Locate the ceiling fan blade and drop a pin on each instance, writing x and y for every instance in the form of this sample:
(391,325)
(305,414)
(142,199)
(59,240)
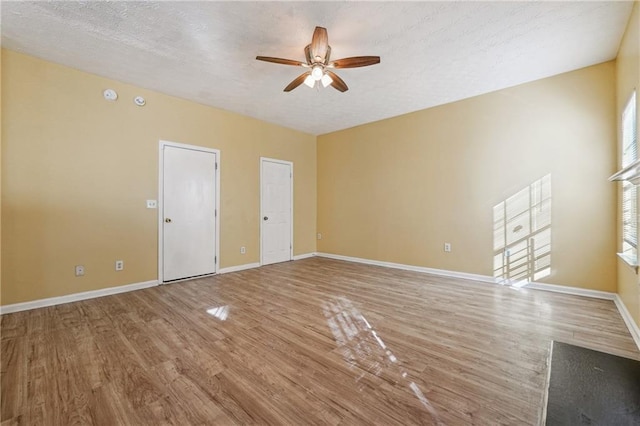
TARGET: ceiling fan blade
(337,82)
(355,62)
(307,54)
(280,60)
(319,44)
(297,82)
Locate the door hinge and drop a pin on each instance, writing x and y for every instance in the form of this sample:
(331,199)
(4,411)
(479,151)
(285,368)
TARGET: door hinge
(216,166)
(215,259)
(216,213)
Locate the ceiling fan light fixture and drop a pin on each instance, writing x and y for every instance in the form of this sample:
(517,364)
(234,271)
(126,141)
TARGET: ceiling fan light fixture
(318,66)
(326,80)
(310,81)
(317,72)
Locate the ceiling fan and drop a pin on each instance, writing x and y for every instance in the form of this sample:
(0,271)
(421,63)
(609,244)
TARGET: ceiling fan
(319,65)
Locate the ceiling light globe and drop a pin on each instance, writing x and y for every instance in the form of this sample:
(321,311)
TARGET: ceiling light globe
(316,72)
(309,81)
(326,80)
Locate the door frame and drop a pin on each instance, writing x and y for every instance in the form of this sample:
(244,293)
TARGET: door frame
(290,164)
(161,145)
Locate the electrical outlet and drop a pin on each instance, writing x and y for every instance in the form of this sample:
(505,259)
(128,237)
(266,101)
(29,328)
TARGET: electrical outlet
(119,265)
(319,236)
(447,247)
(243,250)
(79,270)
(152,204)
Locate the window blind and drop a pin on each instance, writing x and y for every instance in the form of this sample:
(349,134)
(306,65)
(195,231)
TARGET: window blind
(629,191)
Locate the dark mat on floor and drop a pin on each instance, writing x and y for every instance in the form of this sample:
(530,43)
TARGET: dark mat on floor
(588,387)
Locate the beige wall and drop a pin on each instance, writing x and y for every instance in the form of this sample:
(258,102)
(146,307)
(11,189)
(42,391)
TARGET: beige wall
(76,171)
(396,190)
(628,79)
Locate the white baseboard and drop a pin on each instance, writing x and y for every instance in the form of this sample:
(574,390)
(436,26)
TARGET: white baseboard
(51,301)
(576,291)
(597,294)
(239,268)
(476,277)
(257,264)
(303,256)
(628,319)
(443,272)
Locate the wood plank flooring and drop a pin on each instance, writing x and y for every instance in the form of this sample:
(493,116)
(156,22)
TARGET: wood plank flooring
(315,341)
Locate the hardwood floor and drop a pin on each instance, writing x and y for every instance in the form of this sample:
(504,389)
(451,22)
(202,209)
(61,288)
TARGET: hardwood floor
(315,341)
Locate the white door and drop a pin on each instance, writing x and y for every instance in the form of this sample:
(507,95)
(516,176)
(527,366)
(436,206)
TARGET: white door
(189,215)
(276,180)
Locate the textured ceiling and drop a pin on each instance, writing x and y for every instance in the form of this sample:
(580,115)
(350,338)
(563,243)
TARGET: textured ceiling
(431,52)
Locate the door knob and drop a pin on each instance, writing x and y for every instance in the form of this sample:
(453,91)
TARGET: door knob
(266,218)
(167,220)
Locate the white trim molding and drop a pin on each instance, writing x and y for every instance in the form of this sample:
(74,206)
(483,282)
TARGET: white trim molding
(237,268)
(576,291)
(425,270)
(303,256)
(628,320)
(75,297)
(246,266)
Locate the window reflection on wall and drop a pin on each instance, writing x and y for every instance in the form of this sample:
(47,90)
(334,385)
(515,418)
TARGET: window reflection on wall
(522,234)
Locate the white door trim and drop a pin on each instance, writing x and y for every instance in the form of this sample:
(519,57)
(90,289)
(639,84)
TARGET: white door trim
(290,164)
(161,145)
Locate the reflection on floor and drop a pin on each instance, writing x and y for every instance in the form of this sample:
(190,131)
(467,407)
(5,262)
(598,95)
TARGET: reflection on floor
(362,348)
